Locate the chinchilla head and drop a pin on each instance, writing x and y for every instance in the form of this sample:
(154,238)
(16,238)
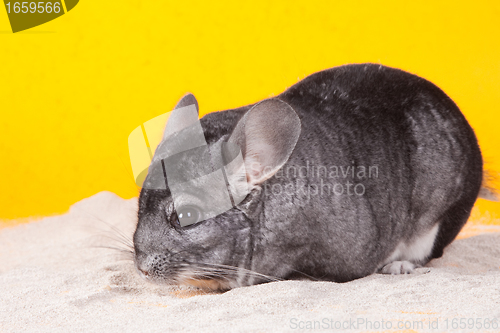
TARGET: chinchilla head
(184,234)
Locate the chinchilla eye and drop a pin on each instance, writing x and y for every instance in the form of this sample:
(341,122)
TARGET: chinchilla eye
(187,215)
(174,220)
(172,215)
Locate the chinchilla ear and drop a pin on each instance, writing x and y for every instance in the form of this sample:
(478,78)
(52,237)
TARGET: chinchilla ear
(183,116)
(186,100)
(267,135)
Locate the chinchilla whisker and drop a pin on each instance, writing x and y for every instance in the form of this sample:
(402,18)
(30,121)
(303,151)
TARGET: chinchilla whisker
(210,273)
(118,257)
(195,272)
(236,269)
(218,272)
(123,257)
(121,236)
(306,275)
(200,276)
(128,247)
(182,276)
(197,276)
(120,254)
(111,235)
(127,251)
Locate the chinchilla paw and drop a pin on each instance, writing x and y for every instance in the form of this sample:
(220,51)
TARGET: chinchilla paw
(398,267)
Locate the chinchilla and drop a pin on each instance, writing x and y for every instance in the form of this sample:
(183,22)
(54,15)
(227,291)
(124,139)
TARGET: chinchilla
(354,170)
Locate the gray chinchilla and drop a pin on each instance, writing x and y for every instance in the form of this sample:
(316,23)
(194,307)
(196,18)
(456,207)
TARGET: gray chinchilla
(354,170)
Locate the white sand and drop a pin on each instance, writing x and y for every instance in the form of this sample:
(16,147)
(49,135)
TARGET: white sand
(51,280)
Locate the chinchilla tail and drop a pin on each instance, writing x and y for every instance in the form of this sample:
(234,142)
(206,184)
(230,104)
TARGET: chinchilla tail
(487,191)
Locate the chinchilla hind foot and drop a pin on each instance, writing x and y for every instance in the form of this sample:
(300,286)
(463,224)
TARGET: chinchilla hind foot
(399,267)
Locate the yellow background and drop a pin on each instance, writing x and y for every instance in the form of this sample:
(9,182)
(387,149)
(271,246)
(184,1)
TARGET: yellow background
(72,89)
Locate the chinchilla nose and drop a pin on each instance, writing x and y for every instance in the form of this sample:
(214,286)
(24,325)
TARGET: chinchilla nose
(141,263)
(149,264)
(143,272)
